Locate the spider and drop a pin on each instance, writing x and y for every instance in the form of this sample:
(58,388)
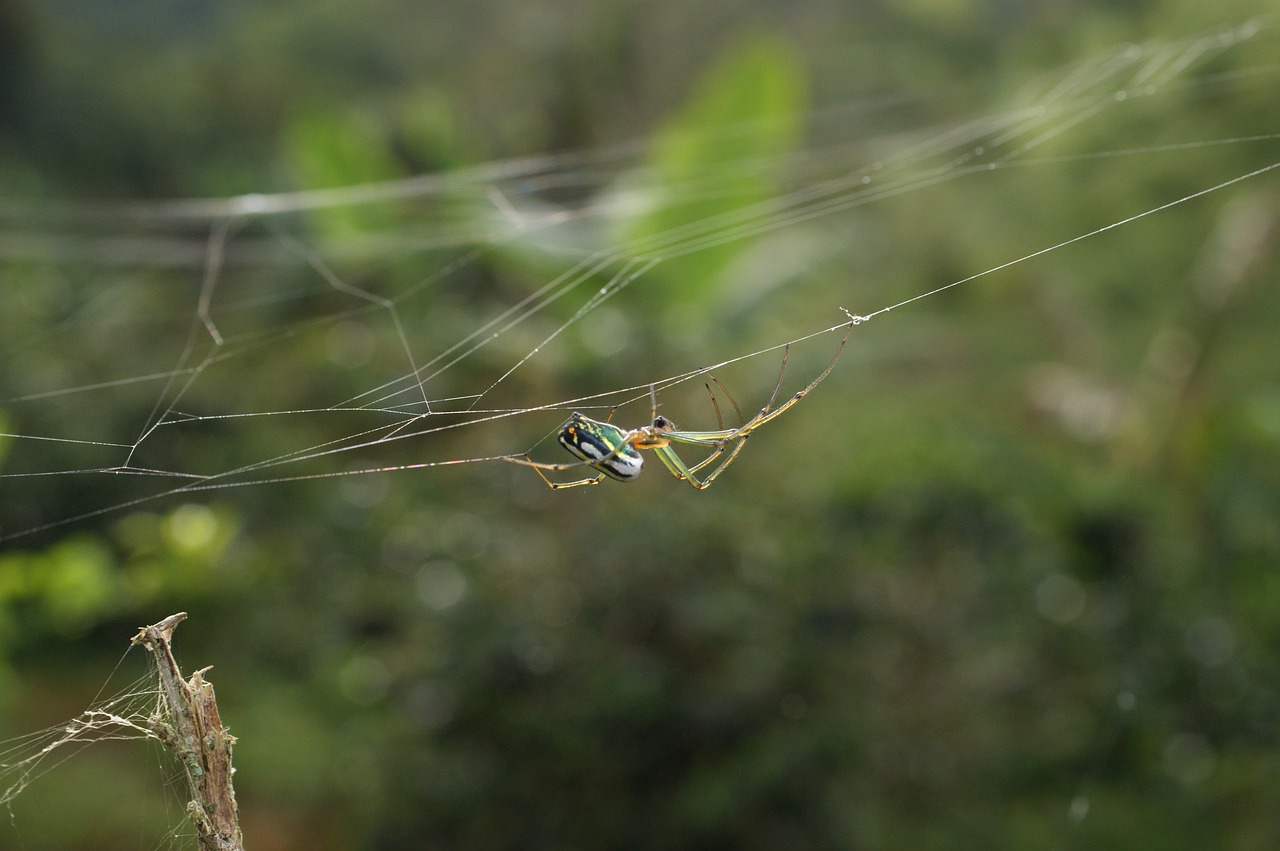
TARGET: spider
(615,452)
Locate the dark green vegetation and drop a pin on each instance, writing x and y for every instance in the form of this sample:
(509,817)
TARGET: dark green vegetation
(1008,578)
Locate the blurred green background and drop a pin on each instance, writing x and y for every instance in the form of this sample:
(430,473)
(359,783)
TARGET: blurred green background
(1006,579)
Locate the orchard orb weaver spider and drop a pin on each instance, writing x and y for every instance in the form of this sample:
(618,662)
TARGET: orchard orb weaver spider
(615,452)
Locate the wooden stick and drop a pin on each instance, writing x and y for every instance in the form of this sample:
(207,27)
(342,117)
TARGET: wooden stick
(189,724)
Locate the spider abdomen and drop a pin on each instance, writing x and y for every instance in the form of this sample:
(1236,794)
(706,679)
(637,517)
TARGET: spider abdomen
(602,445)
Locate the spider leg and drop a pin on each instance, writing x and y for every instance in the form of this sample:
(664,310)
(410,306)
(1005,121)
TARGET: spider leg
(721,439)
(786,350)
(732,401)
(722,444)
(714,404)
(676,466)
(766,414)
(724,436)
(538,467)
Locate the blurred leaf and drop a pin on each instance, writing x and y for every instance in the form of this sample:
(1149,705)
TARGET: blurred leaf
(326,149)
(72,583)
(714,167)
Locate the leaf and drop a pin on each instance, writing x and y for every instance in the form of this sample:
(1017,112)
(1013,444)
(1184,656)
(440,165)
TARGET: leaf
(714,166)
(328,150)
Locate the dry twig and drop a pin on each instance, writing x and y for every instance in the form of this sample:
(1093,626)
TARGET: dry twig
(193,730)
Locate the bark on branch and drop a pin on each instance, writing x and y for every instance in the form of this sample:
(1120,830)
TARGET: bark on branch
(190,726)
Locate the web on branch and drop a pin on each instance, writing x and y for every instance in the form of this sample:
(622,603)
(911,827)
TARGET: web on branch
(122,717)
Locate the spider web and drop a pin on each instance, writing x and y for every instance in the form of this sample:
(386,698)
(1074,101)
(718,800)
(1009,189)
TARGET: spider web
(124,716)
(207,318)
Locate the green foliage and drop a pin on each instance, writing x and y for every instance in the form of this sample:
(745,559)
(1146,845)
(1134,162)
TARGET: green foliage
(82,580)
(713,162)
(337,149)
